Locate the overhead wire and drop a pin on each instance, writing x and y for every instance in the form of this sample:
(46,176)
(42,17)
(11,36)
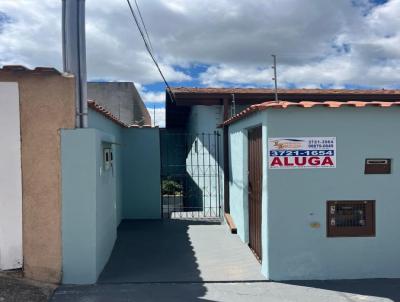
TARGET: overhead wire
(144,25)
(149,49)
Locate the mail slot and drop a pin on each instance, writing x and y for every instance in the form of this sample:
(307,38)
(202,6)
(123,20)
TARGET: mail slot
(378,166)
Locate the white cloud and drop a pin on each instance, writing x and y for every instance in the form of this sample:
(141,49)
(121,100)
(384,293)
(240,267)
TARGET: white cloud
(318,42)
(150,97)
(159,119)
(114,48)
(153,97)
(365,53)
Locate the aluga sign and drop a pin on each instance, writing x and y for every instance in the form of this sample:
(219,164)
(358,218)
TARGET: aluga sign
(302,152)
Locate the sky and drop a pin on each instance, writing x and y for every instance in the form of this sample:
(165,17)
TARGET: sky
(217,43)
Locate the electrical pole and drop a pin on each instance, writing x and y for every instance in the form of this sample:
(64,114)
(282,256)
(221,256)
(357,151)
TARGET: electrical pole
(233,111)
(74,54)
(275,79)
(154,115)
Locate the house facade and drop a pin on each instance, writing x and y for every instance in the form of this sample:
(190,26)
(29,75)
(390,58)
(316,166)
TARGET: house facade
(323,202)
(311,222)
(203,110)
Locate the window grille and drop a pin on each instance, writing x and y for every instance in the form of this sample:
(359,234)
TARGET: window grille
(351,218)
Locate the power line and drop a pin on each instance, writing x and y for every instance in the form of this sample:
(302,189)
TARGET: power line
(144,25)
(275,78)
(148,48)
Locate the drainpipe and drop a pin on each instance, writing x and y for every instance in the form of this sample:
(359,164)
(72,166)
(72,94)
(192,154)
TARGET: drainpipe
(74,54)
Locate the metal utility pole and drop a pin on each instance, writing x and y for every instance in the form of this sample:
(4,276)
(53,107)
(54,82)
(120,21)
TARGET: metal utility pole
(275,78)
(74,54)
(233,111)
(154,115)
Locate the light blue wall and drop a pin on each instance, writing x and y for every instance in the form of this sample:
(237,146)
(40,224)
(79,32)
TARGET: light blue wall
(95,200)
(298,197)
(88,205)
(106,201)
(238,183)
(141,174)
(205,120)
(295,199)
(98,121)
(137,163)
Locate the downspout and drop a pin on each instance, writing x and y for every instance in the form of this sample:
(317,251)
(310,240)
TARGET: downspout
(74,54)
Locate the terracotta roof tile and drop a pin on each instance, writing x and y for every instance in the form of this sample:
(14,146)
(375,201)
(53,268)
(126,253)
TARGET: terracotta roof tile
(108,114)
(305,104)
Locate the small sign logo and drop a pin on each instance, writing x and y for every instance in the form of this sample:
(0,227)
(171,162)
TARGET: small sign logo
(302,152)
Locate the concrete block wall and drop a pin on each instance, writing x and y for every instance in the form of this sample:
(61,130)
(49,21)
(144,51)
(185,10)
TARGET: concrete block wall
(122,99)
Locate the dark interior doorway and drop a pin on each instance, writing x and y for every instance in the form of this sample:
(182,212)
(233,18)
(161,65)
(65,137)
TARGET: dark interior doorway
(255,189)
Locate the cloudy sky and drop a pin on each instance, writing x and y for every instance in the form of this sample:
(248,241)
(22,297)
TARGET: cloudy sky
(319,43)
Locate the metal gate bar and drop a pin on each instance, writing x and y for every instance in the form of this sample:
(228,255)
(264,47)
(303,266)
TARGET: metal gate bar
(190,175)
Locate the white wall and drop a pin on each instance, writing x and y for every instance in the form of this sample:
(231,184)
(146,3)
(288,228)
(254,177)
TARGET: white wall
(10,179)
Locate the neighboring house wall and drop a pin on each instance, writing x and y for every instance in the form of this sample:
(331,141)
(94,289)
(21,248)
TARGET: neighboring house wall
(122,99)
(47,104)
(10,179)
(205,120)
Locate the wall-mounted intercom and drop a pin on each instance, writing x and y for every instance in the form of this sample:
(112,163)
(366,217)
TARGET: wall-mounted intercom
(107,158)
(378,166)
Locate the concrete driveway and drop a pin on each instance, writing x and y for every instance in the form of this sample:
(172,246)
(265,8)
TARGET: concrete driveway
(178,251)
(332,291)
(172,260)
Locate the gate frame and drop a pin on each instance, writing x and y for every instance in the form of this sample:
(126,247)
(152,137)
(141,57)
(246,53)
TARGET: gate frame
(215,209)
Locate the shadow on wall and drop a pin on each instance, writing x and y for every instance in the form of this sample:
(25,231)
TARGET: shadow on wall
(150,251)
(385,288)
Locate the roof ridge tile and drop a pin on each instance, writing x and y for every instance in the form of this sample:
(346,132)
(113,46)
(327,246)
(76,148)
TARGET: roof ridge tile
(306,104)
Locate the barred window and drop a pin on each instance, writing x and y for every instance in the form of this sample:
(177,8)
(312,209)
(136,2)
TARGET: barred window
(351,218)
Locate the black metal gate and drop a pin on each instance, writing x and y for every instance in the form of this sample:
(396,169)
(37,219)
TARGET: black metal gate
(190,175)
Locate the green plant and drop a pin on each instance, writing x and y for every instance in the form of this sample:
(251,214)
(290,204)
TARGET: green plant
(171,187)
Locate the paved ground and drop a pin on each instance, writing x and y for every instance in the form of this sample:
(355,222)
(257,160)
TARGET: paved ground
(178,251)
(334,291)
(191,261)
(14,288)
